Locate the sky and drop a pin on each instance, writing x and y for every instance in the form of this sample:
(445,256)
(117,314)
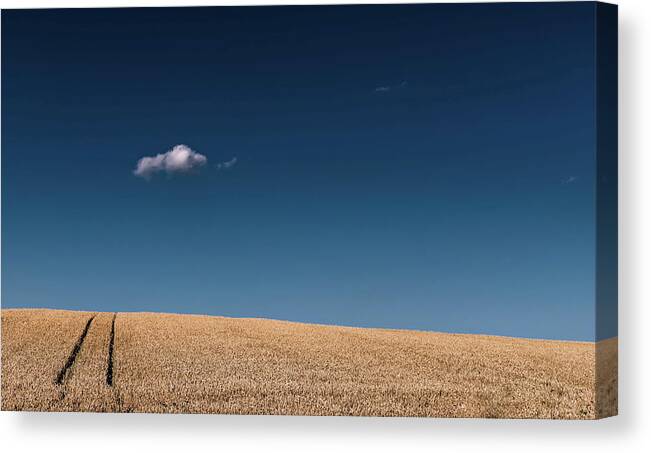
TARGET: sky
(419,167)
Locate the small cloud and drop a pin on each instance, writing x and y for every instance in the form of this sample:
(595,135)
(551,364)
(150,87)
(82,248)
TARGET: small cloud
(228,164)
(387,88)
(570,179)
(177,160)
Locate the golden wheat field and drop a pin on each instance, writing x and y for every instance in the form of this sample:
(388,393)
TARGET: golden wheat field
(55,360)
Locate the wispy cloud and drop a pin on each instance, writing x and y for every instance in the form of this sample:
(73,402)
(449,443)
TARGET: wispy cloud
(228,164)
(387,88)
(570,179)
(177,160)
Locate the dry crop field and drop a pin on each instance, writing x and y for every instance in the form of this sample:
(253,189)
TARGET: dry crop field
(55,360)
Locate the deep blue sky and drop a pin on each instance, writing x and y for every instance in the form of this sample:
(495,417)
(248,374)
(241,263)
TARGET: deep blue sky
(427,167)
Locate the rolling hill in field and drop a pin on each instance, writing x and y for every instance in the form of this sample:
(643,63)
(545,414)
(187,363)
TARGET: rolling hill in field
(55,360)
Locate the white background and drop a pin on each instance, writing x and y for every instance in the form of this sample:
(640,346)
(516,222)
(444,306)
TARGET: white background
(630,430)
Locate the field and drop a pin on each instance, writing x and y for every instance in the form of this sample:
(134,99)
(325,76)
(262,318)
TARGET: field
(54,360)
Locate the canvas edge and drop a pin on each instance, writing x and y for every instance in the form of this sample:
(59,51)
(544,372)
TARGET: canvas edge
(606,278)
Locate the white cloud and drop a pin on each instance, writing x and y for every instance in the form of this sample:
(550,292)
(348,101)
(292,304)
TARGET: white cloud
(387,88)
(227,164)
(179,159)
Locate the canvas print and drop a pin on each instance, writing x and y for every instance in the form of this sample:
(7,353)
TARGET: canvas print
(369,210)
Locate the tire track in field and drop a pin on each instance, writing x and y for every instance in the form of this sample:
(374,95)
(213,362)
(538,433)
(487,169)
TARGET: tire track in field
(73,354)
(89,385)
(110,371)
(109,367)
